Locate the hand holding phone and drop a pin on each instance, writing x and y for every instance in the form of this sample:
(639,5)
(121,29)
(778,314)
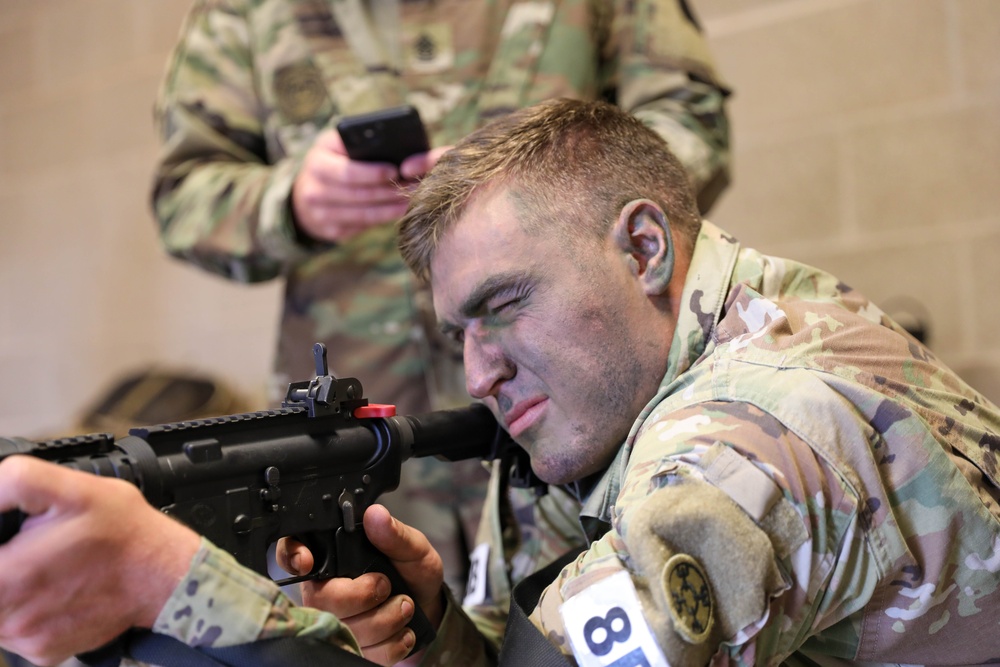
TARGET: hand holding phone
(350,178)
(388,135)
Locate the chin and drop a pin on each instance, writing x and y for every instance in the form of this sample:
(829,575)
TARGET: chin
(547,476)
(558,471)
(562,460)
(546,471)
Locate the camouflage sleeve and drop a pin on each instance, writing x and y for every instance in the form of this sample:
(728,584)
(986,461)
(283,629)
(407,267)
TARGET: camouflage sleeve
(458,642)
(663,73)
(219,201)
(734,537)
(219,604)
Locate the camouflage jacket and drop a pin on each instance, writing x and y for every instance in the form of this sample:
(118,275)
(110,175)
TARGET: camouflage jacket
(251,84)
(809,486)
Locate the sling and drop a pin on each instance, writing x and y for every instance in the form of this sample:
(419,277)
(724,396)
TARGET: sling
(523,643)
(146,646)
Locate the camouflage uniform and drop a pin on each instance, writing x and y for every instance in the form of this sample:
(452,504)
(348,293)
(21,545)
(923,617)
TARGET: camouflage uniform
(251,84)
(810,486)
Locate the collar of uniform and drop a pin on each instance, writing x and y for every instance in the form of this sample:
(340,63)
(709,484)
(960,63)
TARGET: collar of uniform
(710,278)
(705,288)
(595,515)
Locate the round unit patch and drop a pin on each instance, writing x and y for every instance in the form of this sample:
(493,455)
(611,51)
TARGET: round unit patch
(300,91)
(690,598)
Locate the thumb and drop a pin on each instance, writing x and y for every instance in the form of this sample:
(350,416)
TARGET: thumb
(409,550)
(393,538)
(417,166)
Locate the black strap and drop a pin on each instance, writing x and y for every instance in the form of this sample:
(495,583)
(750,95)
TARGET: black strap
(166,651)
(523,644)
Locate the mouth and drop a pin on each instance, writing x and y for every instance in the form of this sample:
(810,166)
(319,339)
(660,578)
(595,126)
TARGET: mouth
(524,415)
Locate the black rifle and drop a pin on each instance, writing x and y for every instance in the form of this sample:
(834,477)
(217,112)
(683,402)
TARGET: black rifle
(308,470)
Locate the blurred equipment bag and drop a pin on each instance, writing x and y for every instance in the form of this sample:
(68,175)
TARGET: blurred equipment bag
(159,396)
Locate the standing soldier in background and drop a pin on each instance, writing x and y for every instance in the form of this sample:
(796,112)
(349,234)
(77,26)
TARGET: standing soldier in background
(253,182)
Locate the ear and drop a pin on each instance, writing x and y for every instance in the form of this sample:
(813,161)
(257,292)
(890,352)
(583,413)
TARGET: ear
(642,232)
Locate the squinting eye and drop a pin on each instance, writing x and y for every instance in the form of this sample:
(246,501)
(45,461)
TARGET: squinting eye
(505,305)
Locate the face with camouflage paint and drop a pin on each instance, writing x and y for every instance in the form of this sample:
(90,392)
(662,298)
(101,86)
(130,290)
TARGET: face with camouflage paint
(564,341)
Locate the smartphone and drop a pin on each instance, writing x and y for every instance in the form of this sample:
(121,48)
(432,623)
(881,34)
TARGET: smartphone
(388,135)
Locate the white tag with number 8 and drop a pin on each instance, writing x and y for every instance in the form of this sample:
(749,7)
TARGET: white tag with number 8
(606,628)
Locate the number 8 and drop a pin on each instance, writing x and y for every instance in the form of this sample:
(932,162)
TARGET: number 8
(597,623)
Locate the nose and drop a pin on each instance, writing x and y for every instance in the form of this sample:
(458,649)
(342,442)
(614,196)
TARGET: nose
(487,367)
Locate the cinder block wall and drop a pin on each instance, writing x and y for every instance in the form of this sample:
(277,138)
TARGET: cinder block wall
(867,141)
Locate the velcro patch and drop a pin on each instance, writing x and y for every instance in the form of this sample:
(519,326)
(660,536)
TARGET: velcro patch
(742,481)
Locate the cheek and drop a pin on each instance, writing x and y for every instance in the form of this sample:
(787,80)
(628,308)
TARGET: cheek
(571,349)
(607,365)
(577,358)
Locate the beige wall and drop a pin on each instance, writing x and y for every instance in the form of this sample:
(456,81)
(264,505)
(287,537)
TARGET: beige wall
(867,142)
(87,293)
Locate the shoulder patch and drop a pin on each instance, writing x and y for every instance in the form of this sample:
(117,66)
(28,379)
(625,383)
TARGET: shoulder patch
(690,597)
(299,91)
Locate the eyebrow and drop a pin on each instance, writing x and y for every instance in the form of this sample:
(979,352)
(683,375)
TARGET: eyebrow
(476,301)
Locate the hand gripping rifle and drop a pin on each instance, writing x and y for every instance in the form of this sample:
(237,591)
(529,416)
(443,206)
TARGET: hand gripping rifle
(308,470)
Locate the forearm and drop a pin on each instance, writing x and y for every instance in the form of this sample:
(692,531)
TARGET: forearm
(228,217)
(220,603)
(221,187)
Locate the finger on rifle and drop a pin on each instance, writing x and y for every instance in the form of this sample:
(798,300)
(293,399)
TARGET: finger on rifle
(401,543)
(346,598)
(392,650)
(384,622)
(293,557)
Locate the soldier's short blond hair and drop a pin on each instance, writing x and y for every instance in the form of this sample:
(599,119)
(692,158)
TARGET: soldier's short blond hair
(565,162)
